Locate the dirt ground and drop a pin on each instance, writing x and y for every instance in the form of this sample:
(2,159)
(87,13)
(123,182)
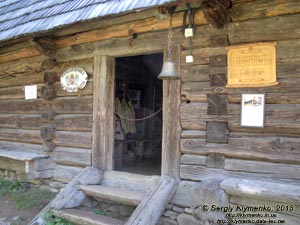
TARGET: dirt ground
(9,215)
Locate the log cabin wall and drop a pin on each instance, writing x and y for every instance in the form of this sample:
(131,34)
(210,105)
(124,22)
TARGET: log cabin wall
(269,153)
(60,127)
(233,151)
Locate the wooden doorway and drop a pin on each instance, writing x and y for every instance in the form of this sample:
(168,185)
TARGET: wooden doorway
(103,138)
(138,114)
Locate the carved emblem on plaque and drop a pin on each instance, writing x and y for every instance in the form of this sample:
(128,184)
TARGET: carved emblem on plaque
(252,65)
(73,79)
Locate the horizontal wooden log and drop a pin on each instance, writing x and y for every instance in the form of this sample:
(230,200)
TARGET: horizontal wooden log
(86,91)
(197,91)
(199,72)
(18,135)
(145,43)
(141,26)
(20,121)
(21,79)
(260,9)
(279,118)
(73,139)
(72,156)
(74,122)
(59,105)
(17,92)
(200,173)
(265,142)
(284,93)
(66,173)
(201,55)
(130,181)
(278,169)
(188,134)
(19,146)
(27,52)
(86,63)
(271,98)
(264,29)
(240,150)
(193,159)
(194,116)
(263,190)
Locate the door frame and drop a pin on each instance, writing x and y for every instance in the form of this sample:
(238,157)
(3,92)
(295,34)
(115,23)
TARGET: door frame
(103,115)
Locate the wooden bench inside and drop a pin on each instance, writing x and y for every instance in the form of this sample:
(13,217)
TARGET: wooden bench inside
(23,163)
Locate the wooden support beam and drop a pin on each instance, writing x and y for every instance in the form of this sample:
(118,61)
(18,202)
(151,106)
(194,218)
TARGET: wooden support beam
(46,46)
(171,124)
(216,12)
(88,176)
(152,207)
(103,112)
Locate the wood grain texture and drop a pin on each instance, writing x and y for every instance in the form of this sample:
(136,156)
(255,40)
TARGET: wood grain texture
(171,137)
(103,112)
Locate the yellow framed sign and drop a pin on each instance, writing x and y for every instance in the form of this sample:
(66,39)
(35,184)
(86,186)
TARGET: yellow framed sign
(252,65)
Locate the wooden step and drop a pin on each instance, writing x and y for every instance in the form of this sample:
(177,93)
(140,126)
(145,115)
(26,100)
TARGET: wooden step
(130,181)
(126,197)
(83,217)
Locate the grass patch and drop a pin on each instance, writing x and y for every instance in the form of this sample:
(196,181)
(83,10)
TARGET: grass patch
(54,220)
(24,196)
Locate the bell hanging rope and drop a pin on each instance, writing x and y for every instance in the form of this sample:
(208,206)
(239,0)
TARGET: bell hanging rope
(169,71)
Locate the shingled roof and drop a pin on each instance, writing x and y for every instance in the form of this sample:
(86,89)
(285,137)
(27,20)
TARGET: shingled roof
(23,17)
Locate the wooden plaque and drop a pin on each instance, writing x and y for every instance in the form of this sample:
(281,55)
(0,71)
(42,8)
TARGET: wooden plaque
(252,65)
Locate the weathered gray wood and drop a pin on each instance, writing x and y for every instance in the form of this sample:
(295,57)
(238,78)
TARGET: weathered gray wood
(103,112)
(85,217)
(18,135)
(66,173)
(171,108)
(199,72)
(218,79)
(152,207)
(187,134)
(88,175)
(198,173)
(47,132)
(68,105)
(129,181)
(72,156)
(185,193)
(193,159)
(291,171)
(217,104)
(217,132)
(73,139)
(215,160)
(264,29)
(22,156)
(248,148)
(48,92)
(261,9)
(25,121)
(24,147)
(74,122)
(218,61)
(202,55)
(126,197)
(281,192)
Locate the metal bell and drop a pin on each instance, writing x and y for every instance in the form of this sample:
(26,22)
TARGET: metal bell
(168,72)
